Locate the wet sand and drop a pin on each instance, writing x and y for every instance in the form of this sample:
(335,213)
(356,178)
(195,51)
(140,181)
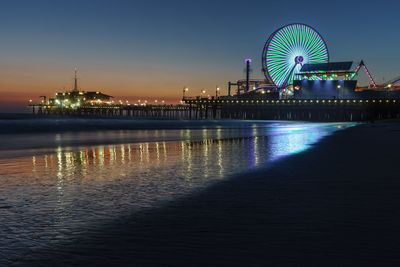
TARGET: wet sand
(334,205)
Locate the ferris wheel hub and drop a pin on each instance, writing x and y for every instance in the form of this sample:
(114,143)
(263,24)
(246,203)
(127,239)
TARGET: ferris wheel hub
(299,59)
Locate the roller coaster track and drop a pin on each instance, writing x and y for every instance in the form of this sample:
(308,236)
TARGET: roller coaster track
(362,65)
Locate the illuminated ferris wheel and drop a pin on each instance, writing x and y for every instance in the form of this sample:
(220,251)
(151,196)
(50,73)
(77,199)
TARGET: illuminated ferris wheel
(288,48)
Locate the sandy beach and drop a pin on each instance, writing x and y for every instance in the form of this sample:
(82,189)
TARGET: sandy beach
(334,205)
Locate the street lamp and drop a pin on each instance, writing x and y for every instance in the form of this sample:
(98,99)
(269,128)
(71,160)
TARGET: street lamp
(216,92)
(202,93)
(338,87)
(185,89)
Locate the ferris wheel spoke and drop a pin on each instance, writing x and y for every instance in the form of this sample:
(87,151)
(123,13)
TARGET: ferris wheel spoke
(281,44)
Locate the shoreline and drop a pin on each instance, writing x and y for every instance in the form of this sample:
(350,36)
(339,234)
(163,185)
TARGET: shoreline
(330,205)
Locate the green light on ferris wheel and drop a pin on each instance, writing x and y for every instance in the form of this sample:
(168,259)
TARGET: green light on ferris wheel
(285,46)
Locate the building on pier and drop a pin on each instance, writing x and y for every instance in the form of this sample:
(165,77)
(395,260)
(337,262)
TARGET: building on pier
(74,99)
(77,98)
(331,80)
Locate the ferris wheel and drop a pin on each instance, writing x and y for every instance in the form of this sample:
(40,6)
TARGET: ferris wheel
(288,48)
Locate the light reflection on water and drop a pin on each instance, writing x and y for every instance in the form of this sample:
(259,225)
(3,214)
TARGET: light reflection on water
(50,197)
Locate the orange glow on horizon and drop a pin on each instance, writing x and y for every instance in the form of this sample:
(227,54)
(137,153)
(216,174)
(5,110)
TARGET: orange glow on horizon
(19,83)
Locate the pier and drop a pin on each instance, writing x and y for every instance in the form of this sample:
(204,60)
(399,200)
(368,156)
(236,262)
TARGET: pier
(236,108)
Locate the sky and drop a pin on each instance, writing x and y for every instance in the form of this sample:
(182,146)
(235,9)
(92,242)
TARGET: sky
(151,49)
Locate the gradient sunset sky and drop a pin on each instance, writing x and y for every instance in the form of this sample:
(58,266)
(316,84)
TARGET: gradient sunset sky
(151,49)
